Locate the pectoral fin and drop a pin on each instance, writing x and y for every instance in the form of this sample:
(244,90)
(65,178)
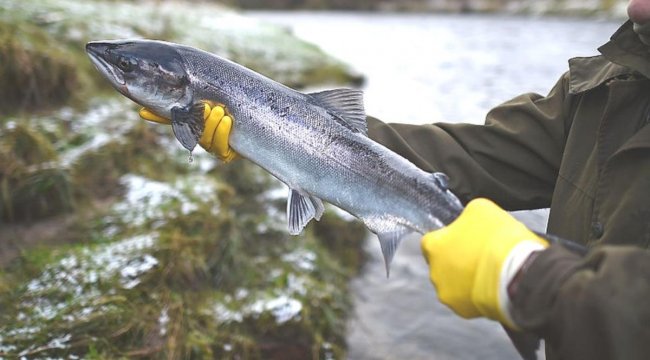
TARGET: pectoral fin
(187,124)
(301,209)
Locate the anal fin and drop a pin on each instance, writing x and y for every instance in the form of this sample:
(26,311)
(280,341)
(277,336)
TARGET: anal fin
(319,208)
(389,242)
(301,209)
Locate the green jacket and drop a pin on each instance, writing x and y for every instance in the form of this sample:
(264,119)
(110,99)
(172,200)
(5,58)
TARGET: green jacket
(584,151)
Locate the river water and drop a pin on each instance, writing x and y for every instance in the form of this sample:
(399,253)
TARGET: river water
(423,68)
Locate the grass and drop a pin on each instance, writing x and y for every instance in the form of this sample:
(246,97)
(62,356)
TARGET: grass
(226,284)
(31,186)
(35,73)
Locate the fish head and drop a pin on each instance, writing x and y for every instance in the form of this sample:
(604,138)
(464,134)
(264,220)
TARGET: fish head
(151,73)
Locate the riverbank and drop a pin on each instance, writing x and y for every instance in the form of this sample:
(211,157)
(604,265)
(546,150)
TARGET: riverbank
(113,244)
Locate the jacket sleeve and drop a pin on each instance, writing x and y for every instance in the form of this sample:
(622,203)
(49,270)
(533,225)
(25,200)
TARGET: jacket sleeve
(513,158)
(588,308)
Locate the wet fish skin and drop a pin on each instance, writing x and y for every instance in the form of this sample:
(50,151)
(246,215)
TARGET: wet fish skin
(315,143)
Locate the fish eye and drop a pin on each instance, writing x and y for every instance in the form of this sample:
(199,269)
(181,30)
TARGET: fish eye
(126,64)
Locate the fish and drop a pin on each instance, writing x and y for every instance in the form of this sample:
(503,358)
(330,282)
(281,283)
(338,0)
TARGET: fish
(315,143)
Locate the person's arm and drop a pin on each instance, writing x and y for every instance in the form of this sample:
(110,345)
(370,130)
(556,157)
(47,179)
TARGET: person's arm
(513,159)
(596,307)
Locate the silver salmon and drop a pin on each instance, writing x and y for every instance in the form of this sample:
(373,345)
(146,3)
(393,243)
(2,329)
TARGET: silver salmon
(315,143)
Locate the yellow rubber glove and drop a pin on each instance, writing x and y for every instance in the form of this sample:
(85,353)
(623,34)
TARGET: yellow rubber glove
(216,131)
(472,260)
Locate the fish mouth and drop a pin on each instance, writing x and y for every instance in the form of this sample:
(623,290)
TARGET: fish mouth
(98,52)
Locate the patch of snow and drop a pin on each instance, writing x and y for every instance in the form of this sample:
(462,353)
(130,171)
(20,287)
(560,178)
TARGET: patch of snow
(6,348)
(282,307)
(145,198)
(80,275)
(68,289)
(27,330)
(225,315)
(301,259)
(60,342)
(163,320)
(241,294)
(136,267)
(327,351)
(10,125)
(296,284)
(71,156)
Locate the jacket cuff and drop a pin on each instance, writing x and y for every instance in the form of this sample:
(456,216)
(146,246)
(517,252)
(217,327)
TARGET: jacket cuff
(537,288)
(513,266)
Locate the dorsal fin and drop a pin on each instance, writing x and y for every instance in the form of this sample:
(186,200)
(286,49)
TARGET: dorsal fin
(347,104)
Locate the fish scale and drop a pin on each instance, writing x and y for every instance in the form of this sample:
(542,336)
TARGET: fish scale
(314,143)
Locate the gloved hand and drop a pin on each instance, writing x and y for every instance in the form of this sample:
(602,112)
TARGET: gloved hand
(216,131)
(472,261)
